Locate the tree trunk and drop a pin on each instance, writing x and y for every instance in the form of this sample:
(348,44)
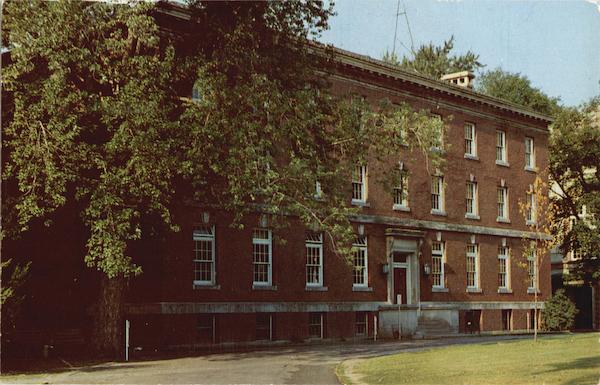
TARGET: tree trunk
(108,323)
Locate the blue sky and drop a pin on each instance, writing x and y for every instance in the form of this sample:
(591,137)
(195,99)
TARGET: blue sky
(556,44)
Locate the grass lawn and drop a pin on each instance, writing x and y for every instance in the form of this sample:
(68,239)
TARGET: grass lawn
(557,359)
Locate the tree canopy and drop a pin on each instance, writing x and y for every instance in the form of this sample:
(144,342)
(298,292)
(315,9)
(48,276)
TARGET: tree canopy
(435,60)
(575,167)
(517,89)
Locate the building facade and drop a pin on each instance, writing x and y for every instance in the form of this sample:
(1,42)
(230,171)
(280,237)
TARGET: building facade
(441,254)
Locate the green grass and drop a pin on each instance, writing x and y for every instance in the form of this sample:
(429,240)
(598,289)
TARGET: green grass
(559,359)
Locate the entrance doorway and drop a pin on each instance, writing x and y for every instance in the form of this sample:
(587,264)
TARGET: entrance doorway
(400,284)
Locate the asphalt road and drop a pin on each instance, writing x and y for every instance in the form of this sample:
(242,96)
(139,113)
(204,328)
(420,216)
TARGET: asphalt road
(313,364)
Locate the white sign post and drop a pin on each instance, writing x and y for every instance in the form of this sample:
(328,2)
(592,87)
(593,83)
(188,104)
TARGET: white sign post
(127,340)
(399,300)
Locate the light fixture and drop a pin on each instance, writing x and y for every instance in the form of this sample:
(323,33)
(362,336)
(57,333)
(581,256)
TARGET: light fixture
(427,269)
(361,230)
(205,217)
(264,222)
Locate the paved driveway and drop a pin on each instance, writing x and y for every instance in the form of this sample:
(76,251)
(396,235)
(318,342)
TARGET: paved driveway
(313,364)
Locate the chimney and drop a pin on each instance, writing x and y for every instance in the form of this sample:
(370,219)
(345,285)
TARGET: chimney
(463,78)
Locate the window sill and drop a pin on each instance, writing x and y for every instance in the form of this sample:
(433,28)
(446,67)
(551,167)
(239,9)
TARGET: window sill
(206,286)
(401,208)
(438,212)
(471,157)
(316,288)
(502,220)
(439,290)
(531,290)
(530,169)
(474,290)
(264,287)
(473,216)
(502,290)
(361,288)
(530,223)
(360,203)
(502,163)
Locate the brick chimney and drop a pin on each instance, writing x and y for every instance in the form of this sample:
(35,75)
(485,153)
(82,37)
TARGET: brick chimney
(463,78)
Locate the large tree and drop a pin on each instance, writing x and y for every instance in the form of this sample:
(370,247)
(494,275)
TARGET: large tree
(435,60)
(575,167)
(99,123)
(517,89)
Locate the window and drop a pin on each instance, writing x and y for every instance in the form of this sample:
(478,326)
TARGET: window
(437,264)
(529,154)
(359,184)
(316,323)
(532,270)
(361,323)
(501,147)
(470,142)
(502,203)
(503,268)
(318,190)
(314,259)
(472,267)
(471,199)
(204,255)
(196,93)
(507,319)
(401,191)
(205,327)
(360,270)
(261,256)
(531,209)
(264,326)
(437,194)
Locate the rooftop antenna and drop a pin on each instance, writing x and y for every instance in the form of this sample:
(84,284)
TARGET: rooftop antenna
(398,13)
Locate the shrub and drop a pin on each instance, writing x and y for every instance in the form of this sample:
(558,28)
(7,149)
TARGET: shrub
(559,312)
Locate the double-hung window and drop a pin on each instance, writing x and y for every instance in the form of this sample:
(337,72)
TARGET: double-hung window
(439,140)
(262,257)
(437,264)
(529,154)
(471,199)
(501,147)
(316,325)
(437,194)
(359,184)
(360,269)
(401,192)
(472,267)
(470,141)
(531,209)
(361,324)
(314,259)
(204,255)
(502,204)
(503,268)
(532,270)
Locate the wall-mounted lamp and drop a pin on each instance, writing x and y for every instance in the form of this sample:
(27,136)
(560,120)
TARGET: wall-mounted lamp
(264,222)
(361,230)
(385,268)
(205,217)
(503,242)
(427,269)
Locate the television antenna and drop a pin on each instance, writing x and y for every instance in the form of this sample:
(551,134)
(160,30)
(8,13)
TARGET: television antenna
(405,14)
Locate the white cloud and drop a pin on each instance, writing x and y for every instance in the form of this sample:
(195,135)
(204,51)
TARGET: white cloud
(596,2)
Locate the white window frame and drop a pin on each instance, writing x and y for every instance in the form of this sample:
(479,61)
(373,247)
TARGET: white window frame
(321,324)
(532,271)
(470,141)
(529,154)
(531,214)
(473,254)
(504,260)
(440,254)
(471,195)
(262,242)
(437,194)
(204,234)
(360,246)
(314,242)
(361,319)
(502,204)
(501,153)
(359,184)
(440,134)
(401,193)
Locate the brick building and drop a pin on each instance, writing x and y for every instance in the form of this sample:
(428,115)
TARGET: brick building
(449,245)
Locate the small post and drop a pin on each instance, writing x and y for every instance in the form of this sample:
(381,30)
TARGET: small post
(127,324)
(375,327)
(399,300)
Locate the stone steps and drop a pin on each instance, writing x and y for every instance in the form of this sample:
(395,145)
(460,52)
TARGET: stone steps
(428,327)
